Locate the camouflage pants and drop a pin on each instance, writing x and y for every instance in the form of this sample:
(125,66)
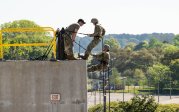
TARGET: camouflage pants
(98,67)
(68,44)
(91,45)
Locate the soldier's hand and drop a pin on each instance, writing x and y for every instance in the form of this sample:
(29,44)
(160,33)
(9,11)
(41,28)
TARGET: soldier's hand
(58,30)
(93,54)
(72,43)
(89,35)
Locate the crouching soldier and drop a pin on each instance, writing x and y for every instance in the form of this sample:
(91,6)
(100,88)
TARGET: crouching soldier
(103,57)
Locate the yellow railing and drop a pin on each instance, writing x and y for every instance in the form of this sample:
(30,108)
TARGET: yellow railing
(39,29)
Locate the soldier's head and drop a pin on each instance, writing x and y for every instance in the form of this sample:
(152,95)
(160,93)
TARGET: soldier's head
(106,48)
(81,22)
(94,21)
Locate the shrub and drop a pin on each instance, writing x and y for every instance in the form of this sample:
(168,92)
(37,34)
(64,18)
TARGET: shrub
(168,108)
(137,104)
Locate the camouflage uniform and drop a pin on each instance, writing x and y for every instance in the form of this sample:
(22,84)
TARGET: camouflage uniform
(98,34)
(68,43)
(104,58)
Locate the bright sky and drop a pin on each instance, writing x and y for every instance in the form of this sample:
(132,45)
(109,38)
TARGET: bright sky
(117,16)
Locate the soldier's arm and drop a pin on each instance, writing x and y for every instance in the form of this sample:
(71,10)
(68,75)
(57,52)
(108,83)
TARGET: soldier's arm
(74,34)
(98,56)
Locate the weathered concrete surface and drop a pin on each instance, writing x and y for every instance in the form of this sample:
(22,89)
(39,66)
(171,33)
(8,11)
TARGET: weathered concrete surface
(25,86)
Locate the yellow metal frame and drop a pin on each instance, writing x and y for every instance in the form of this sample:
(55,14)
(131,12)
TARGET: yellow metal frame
(39,29)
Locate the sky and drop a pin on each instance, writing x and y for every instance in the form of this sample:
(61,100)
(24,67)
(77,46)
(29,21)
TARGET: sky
(116,16)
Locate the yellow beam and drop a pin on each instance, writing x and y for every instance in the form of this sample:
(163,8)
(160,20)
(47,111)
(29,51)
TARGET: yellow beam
(40,29)
(30,44)
(54,44)
(1,48)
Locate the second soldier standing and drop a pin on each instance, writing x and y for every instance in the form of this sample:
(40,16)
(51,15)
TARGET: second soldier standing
(98,34)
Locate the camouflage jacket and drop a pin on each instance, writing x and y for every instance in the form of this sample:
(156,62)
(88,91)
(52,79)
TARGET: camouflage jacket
(99,31)
(103,57)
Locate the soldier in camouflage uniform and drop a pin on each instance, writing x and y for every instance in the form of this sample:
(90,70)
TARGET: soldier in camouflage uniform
(103,57)
(69,38)
(98,34)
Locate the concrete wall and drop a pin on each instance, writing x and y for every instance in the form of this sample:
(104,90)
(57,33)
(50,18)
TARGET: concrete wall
(26,86)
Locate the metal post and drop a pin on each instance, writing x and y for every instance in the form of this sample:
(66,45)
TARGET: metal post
(109,90)
(170,86)
(79,47)
(123,80)
(134,89)
(158,90)
(99,97)
(123,91)
(91,88)
(123,87)
(104,84)
(99,92)
(104,92)
(95,97)
(149,84)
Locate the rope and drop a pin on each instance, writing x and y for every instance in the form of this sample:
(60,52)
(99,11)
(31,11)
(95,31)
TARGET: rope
(78,43)
(44,56)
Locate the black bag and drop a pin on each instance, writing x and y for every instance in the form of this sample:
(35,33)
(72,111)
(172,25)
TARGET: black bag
(60,45)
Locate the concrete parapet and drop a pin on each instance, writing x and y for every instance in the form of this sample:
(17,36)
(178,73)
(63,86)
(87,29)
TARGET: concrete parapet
(29,86)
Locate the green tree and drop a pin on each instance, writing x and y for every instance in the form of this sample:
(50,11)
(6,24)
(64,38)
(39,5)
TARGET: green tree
(169,48)
(129,74)
(141,45)
(114,44)
(130,46)
(159,73)
(115,78)
(170,52)
(174,66)
(176,40)
(154,43)
(135,59)
(139,77)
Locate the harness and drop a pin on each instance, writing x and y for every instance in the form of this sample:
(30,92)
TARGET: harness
(104,62)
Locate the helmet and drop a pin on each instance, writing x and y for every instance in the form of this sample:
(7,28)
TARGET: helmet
(94,20)
(81,20)
(106,46)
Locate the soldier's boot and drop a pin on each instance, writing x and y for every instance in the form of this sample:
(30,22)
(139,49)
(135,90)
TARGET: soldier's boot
(71,57)
(85,57)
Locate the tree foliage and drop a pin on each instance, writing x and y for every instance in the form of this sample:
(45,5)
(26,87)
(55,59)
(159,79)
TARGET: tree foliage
(141,45)
(23,37)
(114,46)
(115,78)
(159,73)
(154,60)
(176,40)
(154,43)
